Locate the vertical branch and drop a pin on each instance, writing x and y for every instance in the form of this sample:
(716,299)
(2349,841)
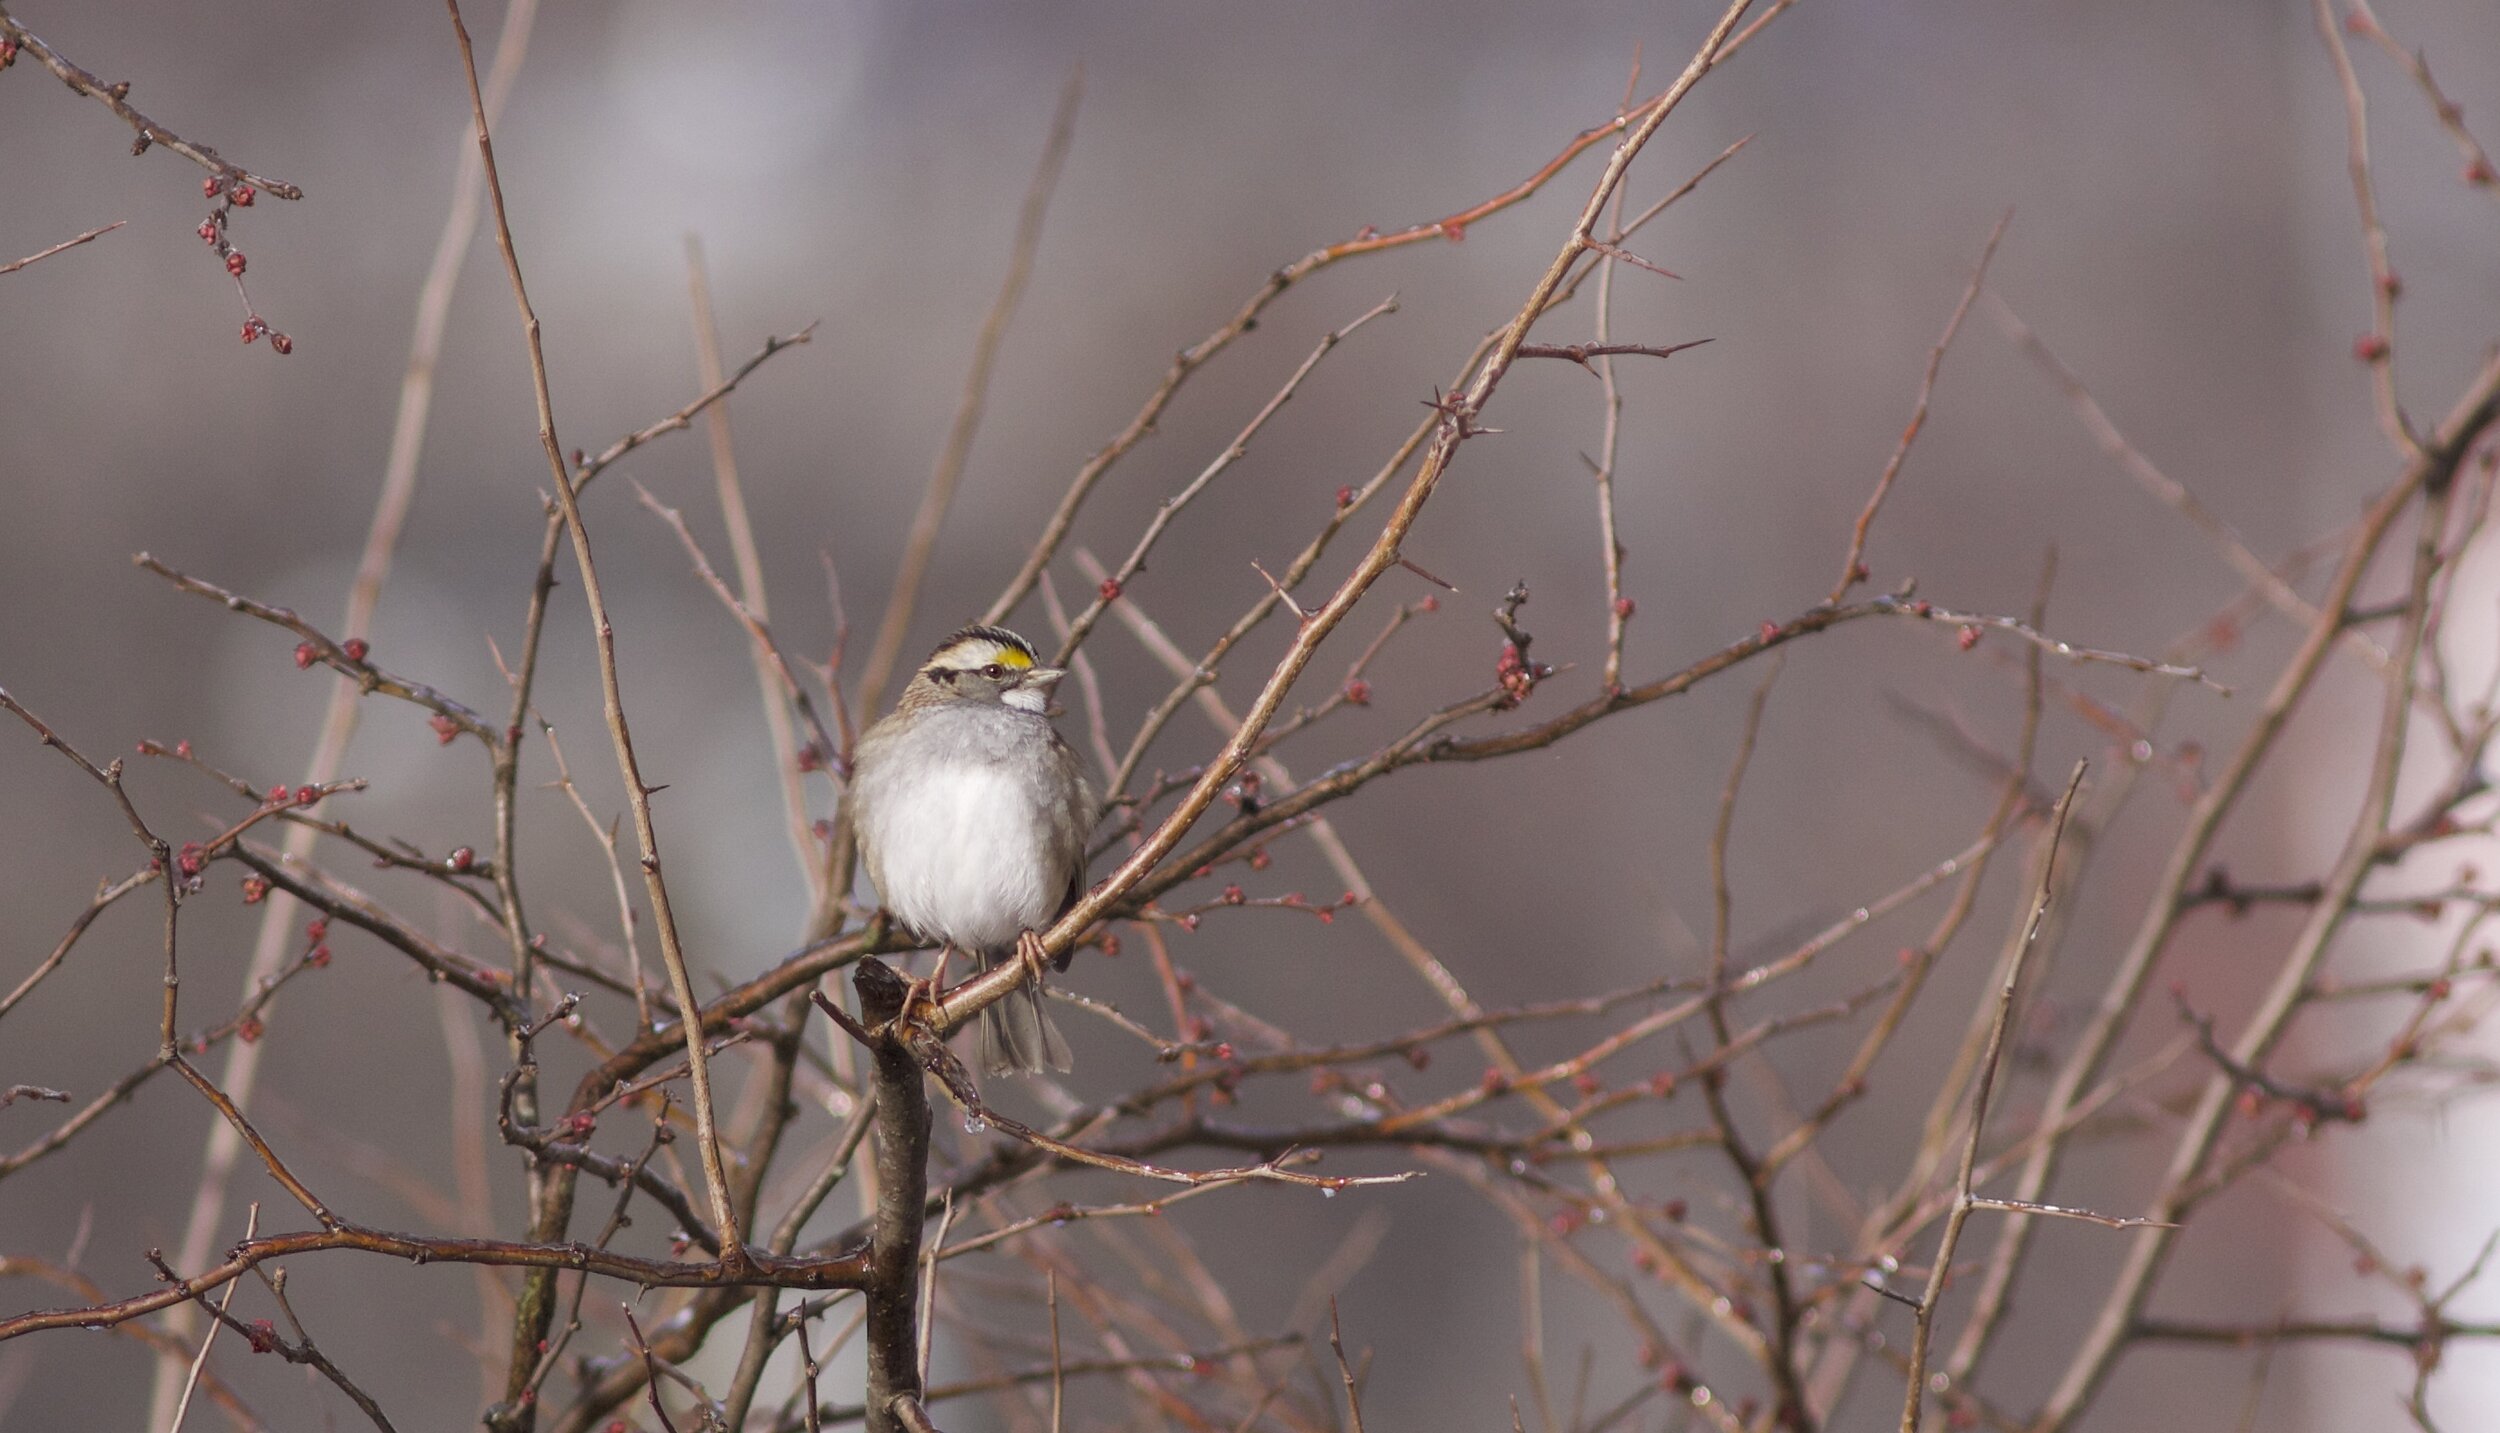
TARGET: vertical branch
(465,1098)
(940,494)
(604,834)
(764,1326)
(1780,1360)
(1345,1370)
(1989,1063)
(751,592)
(555,1201)
(903,1122)
(1618,607)
(241,1074)
(1058,1380)
(2377,347)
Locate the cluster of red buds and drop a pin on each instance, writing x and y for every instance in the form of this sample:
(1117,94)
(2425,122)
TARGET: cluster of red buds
(231,193)
(1516,675)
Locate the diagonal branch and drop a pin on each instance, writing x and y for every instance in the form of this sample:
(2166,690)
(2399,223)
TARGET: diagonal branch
(14,265)
(1853,566)
(115,97)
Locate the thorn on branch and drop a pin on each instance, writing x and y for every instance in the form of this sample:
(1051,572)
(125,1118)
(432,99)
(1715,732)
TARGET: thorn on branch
(1458,414)
(1300,613)
(1445,586)
(1635,260)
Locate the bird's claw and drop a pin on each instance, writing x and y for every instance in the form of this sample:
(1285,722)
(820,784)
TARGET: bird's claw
(1029,951)
(925,996)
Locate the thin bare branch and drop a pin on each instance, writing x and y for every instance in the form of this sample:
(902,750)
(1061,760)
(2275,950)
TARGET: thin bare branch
(921,543)
(14,265)
(115,98)
(1853,565)
(2377,348)
(773,681)
(1964,1200)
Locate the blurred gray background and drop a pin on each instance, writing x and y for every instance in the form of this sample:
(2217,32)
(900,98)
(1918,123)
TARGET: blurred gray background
(2183,236)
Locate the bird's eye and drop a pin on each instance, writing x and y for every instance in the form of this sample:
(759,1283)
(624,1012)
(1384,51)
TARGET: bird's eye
(993,671)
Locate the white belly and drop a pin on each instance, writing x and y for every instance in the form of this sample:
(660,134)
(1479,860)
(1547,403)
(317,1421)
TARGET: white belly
(963,859)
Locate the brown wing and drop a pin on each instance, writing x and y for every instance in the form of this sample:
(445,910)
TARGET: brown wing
(1081,796)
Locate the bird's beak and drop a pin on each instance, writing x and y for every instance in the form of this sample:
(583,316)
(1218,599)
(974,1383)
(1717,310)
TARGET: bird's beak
(1041,679)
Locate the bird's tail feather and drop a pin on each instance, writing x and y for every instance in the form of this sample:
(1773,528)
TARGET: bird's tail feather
(1017,1036)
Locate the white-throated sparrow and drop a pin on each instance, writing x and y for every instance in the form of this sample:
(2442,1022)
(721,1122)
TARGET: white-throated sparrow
(971,814)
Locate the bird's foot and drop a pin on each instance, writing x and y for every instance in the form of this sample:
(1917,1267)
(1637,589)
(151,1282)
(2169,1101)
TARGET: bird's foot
(1033,957)
(926,993)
